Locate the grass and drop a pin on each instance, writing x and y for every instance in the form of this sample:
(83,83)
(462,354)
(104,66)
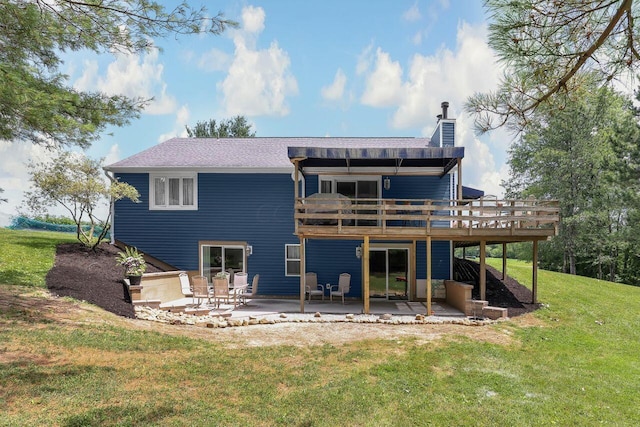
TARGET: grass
(27,256)
(576,363)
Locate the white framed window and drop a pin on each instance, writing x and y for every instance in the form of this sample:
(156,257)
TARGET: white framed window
(354,187)
(292,260)
(216,257)
(175,191)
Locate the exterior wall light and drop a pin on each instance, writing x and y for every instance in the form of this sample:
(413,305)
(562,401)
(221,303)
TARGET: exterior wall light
(358,252)
(387,183)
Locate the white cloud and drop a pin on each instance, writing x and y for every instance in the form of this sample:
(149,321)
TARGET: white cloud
(183,115)
(445,76)
(335,90)
(253,19)
(14,176)
(259,81)
(481,168)
(365,59)
(412,14)
(113,155)
(417,38)
(131,75)
(384,84)
(214,60)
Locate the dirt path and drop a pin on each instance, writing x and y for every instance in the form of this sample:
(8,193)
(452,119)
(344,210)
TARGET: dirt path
(35,307)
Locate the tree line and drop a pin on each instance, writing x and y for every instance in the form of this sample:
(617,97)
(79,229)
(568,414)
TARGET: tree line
(577,139)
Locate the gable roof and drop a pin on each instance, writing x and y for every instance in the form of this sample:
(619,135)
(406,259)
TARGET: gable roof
(242,154)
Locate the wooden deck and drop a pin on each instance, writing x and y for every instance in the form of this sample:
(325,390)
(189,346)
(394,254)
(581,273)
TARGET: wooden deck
(456,220)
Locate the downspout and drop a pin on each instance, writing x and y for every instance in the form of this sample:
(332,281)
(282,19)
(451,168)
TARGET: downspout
(112,208)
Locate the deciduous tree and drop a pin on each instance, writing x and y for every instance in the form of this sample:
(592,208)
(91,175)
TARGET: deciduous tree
(582,156)
(237,127)
(76,183)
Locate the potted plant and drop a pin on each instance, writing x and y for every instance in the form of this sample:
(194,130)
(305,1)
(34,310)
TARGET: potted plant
(134,264)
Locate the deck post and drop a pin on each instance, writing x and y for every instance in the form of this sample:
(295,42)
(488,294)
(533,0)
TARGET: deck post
(365,268)
(534,279)
(428,275)
(302,274)
(459,192)
(459,179)
(296,193)
(483,270)
(504,261)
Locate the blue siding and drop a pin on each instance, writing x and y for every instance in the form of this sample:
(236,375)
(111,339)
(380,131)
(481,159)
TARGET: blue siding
(448,134)
(441,260)
(417,187)
(258,209)
(435,138)
(425,187)
(329,258)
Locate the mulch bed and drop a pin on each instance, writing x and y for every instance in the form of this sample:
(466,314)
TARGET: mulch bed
(508,293)
(94,276)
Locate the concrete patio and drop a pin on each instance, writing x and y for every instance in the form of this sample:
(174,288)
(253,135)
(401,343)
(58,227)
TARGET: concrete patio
(267,307)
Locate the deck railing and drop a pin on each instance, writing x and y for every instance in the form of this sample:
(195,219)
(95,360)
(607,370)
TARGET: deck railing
(426,216)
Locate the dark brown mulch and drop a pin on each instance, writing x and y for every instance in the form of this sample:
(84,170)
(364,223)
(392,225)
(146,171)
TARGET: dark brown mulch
(508,293)
(92,276)
(95,277)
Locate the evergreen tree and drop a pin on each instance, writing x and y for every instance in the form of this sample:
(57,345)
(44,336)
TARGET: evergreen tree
(37,102)
(546,47)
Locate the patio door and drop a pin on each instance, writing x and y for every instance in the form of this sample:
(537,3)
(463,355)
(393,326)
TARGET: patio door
(217,258)
(355,189)
(389,273)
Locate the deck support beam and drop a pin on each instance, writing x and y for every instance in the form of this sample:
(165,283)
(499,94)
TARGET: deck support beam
(504,261)
(429,276)
(459,195)
(483,270)
(365,268)
(302,274)
(534,278)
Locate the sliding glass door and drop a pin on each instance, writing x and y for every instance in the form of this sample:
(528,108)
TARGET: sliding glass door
(217,258)
(355,189)
(389,273)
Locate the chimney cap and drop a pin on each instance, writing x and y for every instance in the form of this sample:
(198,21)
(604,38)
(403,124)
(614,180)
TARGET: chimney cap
(445,107)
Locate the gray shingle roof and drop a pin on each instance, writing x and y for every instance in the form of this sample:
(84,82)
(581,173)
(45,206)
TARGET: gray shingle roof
(242,153)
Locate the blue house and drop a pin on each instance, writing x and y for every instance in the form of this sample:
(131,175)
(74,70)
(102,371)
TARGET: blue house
(388,211)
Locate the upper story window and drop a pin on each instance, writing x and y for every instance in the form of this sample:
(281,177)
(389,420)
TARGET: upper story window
(173,191)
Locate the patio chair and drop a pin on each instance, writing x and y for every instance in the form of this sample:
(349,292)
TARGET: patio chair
(250,291)
(341,288)
(200,290)
(221,291)
(239,284)
(239,279)
(185,285)
(311,285)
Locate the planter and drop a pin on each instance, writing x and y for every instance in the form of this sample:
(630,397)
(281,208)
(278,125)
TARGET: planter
(126,293)
(134,280)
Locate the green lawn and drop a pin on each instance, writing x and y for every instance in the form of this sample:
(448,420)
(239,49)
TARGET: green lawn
(577,363)
(26,256)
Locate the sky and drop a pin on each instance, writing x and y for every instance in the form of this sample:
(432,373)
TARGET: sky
(296,68)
